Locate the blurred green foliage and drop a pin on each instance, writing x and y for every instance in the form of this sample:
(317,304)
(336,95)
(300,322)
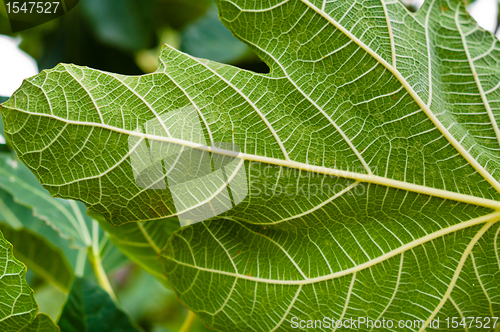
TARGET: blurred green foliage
(124,36)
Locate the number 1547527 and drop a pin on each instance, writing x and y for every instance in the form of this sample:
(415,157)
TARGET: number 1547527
(32,7)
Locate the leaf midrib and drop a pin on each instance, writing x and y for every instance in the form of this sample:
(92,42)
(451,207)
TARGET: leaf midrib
(362,177)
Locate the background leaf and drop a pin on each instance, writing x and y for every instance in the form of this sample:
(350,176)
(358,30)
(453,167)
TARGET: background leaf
(67,217)
(43,258)
(208,38)
(143,242)
(20,217)
(89,308)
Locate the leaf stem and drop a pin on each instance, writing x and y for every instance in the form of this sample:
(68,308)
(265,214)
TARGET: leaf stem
(102,278)
(96,262)
(80,262)
(188,321)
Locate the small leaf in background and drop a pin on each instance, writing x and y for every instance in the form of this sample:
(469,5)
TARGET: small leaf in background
(40,256)
(68,217)
(18,308)
(142,242)
(208,38)
(178,13)
(19,217)
(126,25)
(90,309)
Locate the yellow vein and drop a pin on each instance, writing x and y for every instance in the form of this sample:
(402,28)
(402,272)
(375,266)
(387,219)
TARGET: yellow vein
(481,283)
(285,314)
(391,36)
(454,279)
(213,195)
(476,77)
(148,238)
(495,246)
(319,206)
(489,218)
(348,298)
(395,289)
(459,312)
(369,178)
(460,149)
(429,59)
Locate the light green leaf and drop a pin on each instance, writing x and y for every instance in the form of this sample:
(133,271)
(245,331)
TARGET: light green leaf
(90,309)
(20,217)
(143,242)
(26,223)
(41,323)
(18,309)
(44,241)
(67,217)
(40,256)
(361,178)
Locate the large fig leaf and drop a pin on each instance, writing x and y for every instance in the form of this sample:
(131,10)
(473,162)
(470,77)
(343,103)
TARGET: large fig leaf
(362,171)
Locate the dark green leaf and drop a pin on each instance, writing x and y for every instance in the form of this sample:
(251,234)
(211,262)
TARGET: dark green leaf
(90,309)
(126,25)
(208,38)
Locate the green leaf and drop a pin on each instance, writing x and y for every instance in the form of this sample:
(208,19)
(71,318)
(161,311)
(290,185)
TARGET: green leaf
(361,178)
(3,142)
(177,13)
(89,308)
(142,242)
(39,255)
(20,217)
(38,240)
(208,38)
(67,217)
(27,223)
(18,309)
(41,323)
(127,26)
